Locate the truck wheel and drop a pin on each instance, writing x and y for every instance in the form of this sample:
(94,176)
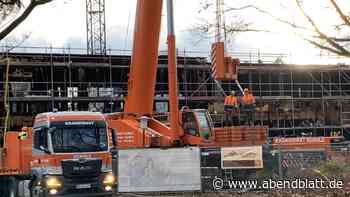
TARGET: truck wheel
(12,187)
(35,192)
(2,186)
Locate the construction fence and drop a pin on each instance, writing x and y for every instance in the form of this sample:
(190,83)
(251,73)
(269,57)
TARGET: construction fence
(234,169)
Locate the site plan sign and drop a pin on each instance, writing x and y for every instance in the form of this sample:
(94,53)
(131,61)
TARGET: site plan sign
(155,170)
(248,157)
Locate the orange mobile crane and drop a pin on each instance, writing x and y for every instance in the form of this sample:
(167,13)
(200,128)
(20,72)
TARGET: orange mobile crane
(68,153)
(135,127)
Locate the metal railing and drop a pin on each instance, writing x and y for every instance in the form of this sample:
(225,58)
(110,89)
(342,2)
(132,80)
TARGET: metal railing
(189,90)
(245,55)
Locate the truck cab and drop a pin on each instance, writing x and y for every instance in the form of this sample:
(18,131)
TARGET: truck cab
(197,126)
(199,130)
(71,155)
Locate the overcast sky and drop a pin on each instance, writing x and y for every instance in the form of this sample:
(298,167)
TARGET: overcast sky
(62,23)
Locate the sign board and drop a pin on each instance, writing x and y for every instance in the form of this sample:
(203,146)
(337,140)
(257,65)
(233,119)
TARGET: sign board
(105,92)
(248,157)
(159,170)
(299,140)
(304,140)
(92,92)
(162,107)
(72,92)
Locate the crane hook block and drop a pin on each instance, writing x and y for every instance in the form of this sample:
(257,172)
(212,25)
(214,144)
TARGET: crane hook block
(223,68)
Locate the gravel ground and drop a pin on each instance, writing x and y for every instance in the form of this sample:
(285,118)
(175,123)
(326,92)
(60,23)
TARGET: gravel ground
(245,194)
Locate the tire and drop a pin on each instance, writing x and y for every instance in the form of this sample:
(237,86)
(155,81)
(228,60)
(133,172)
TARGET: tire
(9,187)
(13,187)
(34,193)
(2,186)
(31,192)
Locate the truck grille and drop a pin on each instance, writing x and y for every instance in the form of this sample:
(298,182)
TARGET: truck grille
(81,168)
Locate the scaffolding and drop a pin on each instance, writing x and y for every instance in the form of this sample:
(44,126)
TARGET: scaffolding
(292,99)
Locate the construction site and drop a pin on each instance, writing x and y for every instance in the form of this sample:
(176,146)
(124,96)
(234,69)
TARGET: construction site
(100,121)
(290,98)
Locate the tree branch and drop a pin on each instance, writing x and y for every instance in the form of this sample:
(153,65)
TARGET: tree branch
(232,30)
(9,2)
(239,8)
(335,39)
(341,13)
(41,2)
(292,24)
(327,48)
(8,50)
(322,36)
(28,10)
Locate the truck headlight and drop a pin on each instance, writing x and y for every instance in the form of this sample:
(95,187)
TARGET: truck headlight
(53,182)
(109,179)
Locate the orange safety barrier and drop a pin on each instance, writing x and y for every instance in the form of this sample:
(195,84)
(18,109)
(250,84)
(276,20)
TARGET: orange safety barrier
(303,142)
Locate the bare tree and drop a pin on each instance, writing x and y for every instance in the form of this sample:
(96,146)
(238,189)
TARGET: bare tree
(206,25)
(10,7)
(322,40)
(312,26)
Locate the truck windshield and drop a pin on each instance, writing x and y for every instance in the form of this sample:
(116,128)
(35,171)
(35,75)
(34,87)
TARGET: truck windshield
(79,139)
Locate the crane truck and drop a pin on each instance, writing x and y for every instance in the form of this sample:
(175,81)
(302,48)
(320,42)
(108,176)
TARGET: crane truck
(136,127)
(68,153)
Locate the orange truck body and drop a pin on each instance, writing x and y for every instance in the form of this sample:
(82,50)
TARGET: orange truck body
(15,155)
(157,134)
(131,135)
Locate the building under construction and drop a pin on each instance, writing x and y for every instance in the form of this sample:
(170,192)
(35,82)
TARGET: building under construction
(292,100)
(164,124)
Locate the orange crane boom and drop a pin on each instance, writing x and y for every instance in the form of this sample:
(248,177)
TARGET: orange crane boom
(172,75)
(136,127)
(143,68)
